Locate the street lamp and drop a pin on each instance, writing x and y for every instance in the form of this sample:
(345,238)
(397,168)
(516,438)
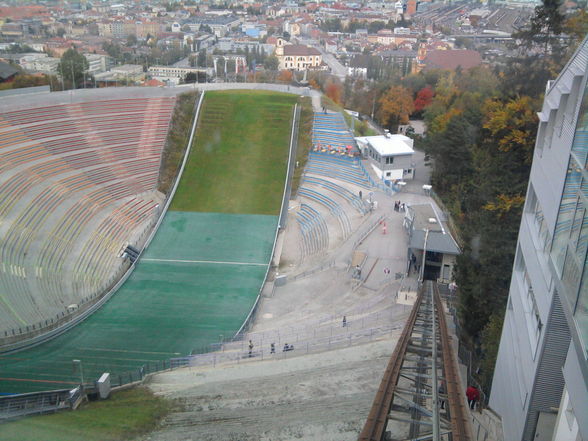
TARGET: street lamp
(422,272)
(79,364)
(73,78)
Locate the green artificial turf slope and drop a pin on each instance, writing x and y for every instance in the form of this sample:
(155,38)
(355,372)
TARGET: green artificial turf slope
(238,161)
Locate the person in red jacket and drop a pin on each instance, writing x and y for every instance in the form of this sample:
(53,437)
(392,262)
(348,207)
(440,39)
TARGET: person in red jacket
(473,395)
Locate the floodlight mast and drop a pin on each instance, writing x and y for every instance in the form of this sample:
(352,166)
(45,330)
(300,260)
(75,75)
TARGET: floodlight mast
(79,363)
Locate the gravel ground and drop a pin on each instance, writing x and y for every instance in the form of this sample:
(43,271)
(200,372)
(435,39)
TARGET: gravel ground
(320,397)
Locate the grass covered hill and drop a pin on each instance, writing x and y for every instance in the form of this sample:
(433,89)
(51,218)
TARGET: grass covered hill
(238,162)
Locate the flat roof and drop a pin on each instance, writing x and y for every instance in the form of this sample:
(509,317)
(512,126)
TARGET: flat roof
(389,145)
(439,239)
(422,214)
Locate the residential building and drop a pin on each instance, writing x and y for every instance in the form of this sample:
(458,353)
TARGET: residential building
(298,56)
(172,74)
(40,63)
(451,59)
(98,63)
(12,30)
(541,376)
(220,25)
(404,61)
(358,66)
(292,28)
(204,41)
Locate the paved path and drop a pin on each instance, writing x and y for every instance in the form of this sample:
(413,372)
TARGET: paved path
(336,67)
(316,102)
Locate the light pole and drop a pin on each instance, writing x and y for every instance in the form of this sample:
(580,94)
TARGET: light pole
(79,364)
(422,275)
(73,78)
(62,79)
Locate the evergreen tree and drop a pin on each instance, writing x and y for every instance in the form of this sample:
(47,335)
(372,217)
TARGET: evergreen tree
(72,68)
(201,60)
(541,52)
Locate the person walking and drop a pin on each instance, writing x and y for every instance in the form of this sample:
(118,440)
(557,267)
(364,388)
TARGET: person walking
(272,348)
(344,321)
(250,348)
(473,395)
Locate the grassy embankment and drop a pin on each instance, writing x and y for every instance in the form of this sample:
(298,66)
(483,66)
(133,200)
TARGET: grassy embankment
(304,141)
(177,140)
(125,415)
(238,161)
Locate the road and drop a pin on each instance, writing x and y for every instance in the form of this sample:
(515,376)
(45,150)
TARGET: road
(337,68)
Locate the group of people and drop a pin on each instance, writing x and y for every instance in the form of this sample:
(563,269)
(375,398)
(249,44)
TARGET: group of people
(399,206)
(327,148)
(287,348)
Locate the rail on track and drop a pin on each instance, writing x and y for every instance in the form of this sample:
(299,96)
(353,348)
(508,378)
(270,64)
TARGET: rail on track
(420,396)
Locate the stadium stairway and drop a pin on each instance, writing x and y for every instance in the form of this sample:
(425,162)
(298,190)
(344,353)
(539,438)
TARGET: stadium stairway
(330,132)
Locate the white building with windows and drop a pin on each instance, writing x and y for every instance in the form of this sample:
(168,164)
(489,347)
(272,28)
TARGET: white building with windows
(540,381)
(98,63)
(297,56)
(389,155)
(173,74)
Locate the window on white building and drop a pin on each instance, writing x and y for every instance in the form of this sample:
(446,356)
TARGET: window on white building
(533,321)
(561,112)
(550,127)
(541,137)
(574,96)
(538,224)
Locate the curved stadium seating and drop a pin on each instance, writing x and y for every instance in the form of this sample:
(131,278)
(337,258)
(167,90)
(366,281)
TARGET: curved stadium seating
(77,182)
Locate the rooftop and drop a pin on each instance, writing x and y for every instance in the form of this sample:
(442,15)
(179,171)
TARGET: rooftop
(300,49)
(6,70)
(451,59)
(439,238)
(389,145)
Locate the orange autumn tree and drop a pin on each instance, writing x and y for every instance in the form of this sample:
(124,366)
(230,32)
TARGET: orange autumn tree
(285,76)
(333,91)
(396,105)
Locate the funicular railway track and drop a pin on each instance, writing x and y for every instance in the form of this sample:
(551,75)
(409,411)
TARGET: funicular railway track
(420,396)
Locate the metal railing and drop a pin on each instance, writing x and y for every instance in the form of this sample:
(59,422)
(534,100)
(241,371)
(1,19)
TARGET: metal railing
(464,354)
(323,267)
(17,406)
(364,235)
(298,348)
